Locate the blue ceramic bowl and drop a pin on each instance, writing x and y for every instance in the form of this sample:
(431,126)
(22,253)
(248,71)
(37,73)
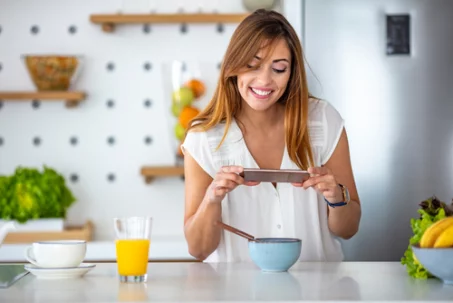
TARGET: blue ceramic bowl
(275,254)
(438,261)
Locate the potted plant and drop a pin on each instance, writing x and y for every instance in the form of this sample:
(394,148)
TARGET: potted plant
(35,200)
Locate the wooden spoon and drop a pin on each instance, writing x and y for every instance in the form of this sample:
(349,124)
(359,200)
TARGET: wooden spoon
(236,231)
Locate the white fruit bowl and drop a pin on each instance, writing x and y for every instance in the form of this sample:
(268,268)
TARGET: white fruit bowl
(438,261)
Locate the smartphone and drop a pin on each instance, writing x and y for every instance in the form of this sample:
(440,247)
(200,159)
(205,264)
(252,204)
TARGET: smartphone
(275,175)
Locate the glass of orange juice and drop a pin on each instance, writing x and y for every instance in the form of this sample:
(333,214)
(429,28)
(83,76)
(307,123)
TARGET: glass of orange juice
(133,236)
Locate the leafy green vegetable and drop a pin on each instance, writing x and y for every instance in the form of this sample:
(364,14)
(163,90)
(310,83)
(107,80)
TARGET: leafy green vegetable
(4,196)
(30,194)
(432,210)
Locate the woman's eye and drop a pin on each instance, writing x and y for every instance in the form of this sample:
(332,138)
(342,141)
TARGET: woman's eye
(255,67)
(279,71)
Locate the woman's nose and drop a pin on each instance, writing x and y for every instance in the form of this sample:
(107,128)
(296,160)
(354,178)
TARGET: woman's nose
(264,76)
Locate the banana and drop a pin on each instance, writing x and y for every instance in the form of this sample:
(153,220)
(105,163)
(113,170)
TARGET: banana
(445,239)
(433,232)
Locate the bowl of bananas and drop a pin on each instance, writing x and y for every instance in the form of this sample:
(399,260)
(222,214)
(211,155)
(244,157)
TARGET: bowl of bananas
(435,249)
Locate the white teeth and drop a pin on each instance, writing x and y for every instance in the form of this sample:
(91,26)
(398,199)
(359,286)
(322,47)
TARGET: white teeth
(261,92)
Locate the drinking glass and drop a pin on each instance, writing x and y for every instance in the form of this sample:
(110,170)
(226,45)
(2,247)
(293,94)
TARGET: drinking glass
(133,237)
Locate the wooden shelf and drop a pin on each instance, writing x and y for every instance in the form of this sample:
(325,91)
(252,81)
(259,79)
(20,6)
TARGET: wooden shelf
(151,172)
(84,232)
(109,21)
(72,98)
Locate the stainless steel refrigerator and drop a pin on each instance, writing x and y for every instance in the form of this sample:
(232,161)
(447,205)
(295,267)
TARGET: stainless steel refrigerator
(387,66)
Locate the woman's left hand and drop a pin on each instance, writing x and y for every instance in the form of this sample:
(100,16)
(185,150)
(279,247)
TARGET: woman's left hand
(324,182)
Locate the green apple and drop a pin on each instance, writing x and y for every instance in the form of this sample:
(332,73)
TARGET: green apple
(176,109)
(183,96)
(179,131)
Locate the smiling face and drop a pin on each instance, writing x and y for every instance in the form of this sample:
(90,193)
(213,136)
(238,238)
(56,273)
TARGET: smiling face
(264,80)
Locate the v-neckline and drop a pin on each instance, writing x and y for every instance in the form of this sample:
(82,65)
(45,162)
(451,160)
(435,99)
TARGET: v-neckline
(283,160)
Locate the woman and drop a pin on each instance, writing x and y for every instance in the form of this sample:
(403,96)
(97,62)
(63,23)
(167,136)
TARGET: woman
(262,116)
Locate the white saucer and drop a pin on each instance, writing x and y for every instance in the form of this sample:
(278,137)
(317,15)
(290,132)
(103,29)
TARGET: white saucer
(59,273)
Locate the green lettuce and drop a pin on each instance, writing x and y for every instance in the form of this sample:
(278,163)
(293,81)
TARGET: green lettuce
(31,194)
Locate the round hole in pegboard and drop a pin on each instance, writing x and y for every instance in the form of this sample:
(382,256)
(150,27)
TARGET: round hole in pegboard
(72,29)
(73,140)
(220,28)
(184,28)
(74,178)
(148,140)
(147,66)
(1,104)
(34,29)
(111,177)
(110,66)
(1,141)
(0,29)
(219,65)
(111,140)
(183,66)
(37,141)
(147,28)
(147,103)
(1,66)
(35,104)
(110,103)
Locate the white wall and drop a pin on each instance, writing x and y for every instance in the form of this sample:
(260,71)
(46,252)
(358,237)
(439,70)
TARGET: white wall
(92,159)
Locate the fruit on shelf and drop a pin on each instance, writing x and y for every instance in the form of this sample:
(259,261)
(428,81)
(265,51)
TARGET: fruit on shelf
(179,131)
(187,114)
(197,86)
(439,234)
(183,97)
(176,109)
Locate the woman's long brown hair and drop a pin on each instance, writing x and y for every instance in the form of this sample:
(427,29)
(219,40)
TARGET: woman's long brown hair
(262,28)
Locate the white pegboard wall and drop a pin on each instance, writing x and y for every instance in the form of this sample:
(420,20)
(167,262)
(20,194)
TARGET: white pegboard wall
(101,145)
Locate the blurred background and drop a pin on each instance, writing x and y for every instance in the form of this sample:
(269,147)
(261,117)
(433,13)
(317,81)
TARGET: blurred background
(123,88)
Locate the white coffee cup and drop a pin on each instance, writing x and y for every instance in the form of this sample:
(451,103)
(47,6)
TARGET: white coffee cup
(53,254)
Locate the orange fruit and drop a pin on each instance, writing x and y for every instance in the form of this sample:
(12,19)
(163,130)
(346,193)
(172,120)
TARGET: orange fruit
(197,87)
(187,114)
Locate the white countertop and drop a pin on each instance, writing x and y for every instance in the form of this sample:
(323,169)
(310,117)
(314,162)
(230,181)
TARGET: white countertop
(190,281)
(161,249)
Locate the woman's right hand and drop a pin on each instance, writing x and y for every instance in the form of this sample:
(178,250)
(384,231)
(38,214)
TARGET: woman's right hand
(226,180)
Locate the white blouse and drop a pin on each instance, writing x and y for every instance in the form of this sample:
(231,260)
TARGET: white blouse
(266,211)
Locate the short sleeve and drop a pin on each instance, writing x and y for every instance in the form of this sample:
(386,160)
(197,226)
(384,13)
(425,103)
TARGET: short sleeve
(196,144)
(333,125)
